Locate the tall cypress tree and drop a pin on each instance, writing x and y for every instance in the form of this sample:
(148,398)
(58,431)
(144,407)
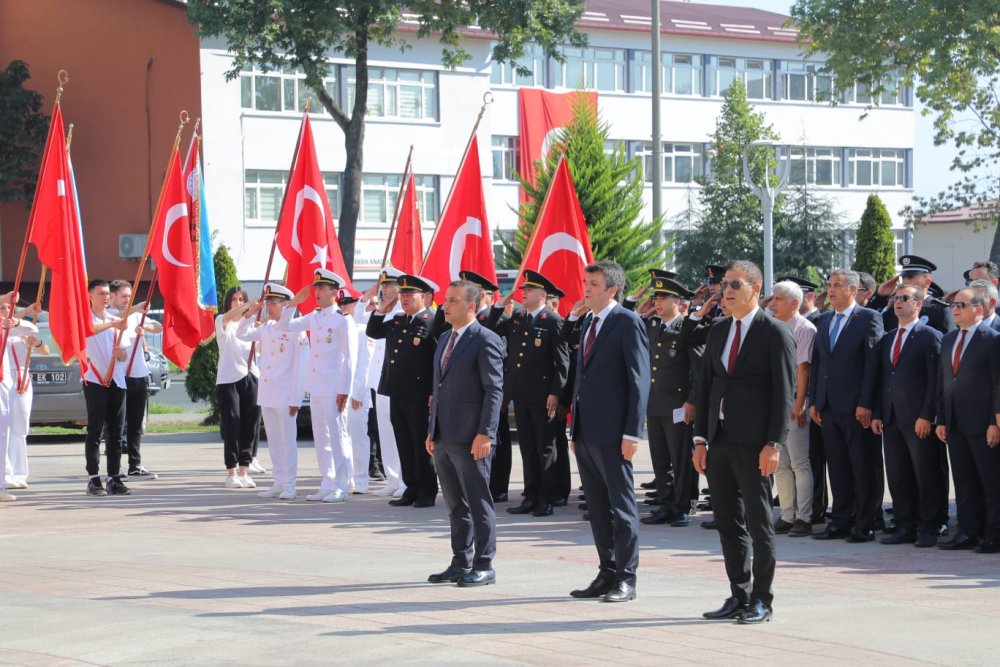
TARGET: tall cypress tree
(876,244)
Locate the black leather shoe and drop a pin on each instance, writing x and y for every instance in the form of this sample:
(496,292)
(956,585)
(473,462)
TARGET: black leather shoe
(832,533)
(652,501)
(656,517)
(542,509)
(560,502)
(781,526)
(680,521)
(648,485)
(859,536)
(526,507)
(500,497)
(449,576)
(621,592)
(651,494)
(926,540)
(478,578)
(731,608)
(586,516)
(704,507)
(817,520)
(599,587)
(900,537)
(960,541)
(423,503)
(581,497)
(582,506)
(757,612)
(988,547)
(402,502)
(708,525)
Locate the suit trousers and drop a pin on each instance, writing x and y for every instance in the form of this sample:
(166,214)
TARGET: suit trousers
(817,462)
(536,436)
(976,467)
(851,459)
(333,452)
(409,423)
(563,484)
(361,448)
(105,407)
(913,467)
(465,487)
(671,449)
(17,444)
(239,417)
(741,503)
(614,515)
(136,400)
(282,445)
(387,443)
(794,477)
(500,469)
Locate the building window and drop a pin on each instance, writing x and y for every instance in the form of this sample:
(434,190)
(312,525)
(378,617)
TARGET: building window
(681,162)
(378,198)
(861,93)
(874,166)
(503,74)
(803,82)
(283,89)
(264,188)
(592,69)
(681,73)
(814,166)
(755,74)
(505,158)
(397,93)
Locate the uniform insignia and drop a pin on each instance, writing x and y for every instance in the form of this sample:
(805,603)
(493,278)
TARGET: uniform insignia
(538,342)
(281,348)
(416,340)
(904,261)
(424,316)
(923,318)
(329,336)
(673,352)
(544,314)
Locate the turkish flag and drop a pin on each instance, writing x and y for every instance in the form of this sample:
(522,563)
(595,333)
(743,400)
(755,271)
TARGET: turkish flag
(559,247)
(194,184)
(462,239)
(542,113)
(57,234)
(408,244)
(306,237)
(172,248)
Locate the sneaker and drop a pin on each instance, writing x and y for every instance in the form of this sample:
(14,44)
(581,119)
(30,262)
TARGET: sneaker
(398,493)
(248,482)
(319,495)
(94,487)
(287,494)
(273,492)
(16,484)
(256,468)
(359,489)
(234,482)
(7,497)
(116,487)
(141,473)
(386,491)
(337,496)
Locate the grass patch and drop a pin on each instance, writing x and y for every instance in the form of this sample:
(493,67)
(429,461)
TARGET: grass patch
(164,409)
(180,427)
(56,430)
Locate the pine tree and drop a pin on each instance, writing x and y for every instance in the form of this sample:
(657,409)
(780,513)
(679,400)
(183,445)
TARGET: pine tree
(876,245)
(610,189)
(808,235)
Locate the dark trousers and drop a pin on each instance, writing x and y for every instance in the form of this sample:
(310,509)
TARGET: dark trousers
(563,484)
(817,460)
(136,401)
(913,468)
(409,425)
(536,436)
(614,514)
(105,408)
(465,487)
(852,459)
(741,502)
(500,469)
(239,418)
(671,448)
(976,467)
(375,460)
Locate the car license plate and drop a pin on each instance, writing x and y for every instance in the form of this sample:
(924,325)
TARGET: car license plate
(48,377)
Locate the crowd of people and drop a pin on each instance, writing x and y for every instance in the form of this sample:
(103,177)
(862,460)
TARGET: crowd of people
(830,391)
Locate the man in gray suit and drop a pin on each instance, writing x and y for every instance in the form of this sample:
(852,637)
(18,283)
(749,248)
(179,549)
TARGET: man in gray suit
(465,409)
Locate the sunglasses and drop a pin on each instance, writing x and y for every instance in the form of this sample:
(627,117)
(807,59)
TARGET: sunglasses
(961,305)
(736,284)
(903,298)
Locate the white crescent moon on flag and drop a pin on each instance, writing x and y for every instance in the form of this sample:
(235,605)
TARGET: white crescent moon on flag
(473,227)
(175,213)
(550,138)
(305,193)
(560,241)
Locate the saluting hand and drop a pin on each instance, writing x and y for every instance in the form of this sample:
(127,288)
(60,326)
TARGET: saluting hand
(386,307)
(299,297)
(580,308)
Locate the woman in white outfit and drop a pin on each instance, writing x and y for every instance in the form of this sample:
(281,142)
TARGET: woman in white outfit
(16,328)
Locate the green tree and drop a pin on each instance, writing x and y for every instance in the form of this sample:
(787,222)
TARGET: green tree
(876,245)
(949,54)
(808,235)
(304,34)
(200,379)
(609,187)
(22,133)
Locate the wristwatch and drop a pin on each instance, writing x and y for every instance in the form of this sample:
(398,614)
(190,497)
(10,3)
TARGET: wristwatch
(776,445)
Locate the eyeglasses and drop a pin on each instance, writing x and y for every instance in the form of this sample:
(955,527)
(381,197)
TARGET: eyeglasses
(736,284)
(903,298)
(962,305)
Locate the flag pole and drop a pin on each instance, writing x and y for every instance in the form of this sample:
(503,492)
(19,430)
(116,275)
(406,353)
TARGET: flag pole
(399,206)
(487,100)
(142,319)
(184,120)
(22,380)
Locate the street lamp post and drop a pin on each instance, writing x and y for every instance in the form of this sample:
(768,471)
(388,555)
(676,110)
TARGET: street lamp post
(767,194)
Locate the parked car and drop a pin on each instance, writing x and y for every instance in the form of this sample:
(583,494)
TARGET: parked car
(58,391)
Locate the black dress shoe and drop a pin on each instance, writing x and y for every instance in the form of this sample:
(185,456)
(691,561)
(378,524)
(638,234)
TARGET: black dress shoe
(704,507)
(656,517)
(582,506)
(708,525)
(449,576)
(652,501)
(423,503)
(859,536)
(598,588)
(817,520)
(731,608)
(402,502)
(622,591)
(478,578)
(757,612)
(560,502)
(581,497)
(832,533)
(900,537)
(988,547)
(526,507)
(926,540)
(781,526)
(942,530)
(648,485)
(680,521)
(651,494)
(499,497)
(879,524)
(586,516)
(542,509)
(960,541)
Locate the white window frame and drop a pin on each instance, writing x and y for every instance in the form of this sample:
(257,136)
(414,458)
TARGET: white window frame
(674,153)
(292,89)
(590,61)
(816,86)
(741,68)
(385,92)
(670,64)
(505,152)
(252,192)
(810,157)
(503,74)
(386,186)
(876,158)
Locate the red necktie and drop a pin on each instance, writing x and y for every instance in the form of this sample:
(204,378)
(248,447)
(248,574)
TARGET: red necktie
(958,353)
(734,351)
(588,346)
(448,350)
(898,346)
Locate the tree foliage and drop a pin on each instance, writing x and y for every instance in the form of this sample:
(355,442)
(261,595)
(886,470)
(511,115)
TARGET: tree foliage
(609,187)
(305,33)
(22,133)
(876,244)
(808,235)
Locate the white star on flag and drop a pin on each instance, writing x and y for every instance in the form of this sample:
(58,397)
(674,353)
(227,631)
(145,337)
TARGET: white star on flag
(321,253)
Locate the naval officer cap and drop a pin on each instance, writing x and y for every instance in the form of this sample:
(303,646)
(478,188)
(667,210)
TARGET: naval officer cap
(347,295)
(276,291)
(416,284)
(327,277)
(807,286)
(389,276)
(535,280)
(670,287)
(479,281)
(912,265)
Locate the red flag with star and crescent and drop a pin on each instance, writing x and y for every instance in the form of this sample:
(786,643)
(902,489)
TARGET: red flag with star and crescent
(306,237)
(408,244)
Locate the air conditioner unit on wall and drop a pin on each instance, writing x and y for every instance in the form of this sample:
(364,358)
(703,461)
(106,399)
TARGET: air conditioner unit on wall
(130,246)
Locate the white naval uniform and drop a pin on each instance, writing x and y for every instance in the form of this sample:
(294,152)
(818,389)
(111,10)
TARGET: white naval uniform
(330,371)
(16,468)
(357,420)
(282,363)
(7,389)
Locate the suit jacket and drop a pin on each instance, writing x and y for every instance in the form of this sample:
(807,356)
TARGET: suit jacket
(760,391)
(539,357)
(611,389)
(968,401)
(407,372)
(467,395)
(995,324)
(908,391)
(675,364)
(934,313)
(845,378)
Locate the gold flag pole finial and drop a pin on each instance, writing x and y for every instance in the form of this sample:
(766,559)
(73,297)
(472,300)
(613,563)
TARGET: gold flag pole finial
(184,118)
(308,103)
(63,78)
(197,124)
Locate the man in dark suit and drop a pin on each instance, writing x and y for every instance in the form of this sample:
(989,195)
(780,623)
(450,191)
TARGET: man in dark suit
(745,397)
(535,379)
(465,408)
(563,476)
(841,396)
(609,403)
(968,412)
(905,407)
(915,271)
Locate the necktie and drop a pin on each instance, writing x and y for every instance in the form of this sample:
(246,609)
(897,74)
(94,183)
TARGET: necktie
(838,321)
(734,351)
(898,346)
(958,353)
(448,350)
(588,346)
